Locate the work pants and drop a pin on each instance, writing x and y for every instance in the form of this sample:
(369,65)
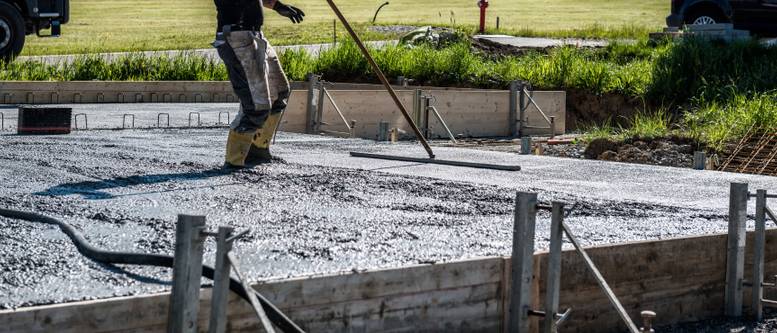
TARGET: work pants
(261,86)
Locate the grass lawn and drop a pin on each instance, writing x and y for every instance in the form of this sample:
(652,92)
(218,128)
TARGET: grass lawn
(134,25)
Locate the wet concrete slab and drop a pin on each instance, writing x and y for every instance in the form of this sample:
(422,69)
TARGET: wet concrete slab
(320,211)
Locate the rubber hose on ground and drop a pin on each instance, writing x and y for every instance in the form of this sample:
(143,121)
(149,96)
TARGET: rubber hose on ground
(129,258)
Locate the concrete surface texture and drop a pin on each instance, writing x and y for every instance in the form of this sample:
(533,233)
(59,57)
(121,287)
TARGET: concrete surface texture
(319,211)
(541,43)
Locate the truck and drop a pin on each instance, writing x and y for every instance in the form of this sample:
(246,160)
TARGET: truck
(20,18)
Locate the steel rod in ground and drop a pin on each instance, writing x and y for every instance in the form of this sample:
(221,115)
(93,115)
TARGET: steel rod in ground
(758,254)
(251,296)
(554,268)
(441,162)
(522,259)
(382,78)
(601,281)
(218,305)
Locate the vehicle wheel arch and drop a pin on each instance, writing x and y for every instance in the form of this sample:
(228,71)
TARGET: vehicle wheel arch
(722,8)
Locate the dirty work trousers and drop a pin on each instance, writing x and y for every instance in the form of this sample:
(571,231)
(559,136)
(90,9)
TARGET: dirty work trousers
(262,88)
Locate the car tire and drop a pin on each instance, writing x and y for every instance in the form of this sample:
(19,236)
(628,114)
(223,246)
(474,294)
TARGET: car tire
(702,17)
(11,32)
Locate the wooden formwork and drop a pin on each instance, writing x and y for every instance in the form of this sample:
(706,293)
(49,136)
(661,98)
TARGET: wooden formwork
(681,279)
(468,112)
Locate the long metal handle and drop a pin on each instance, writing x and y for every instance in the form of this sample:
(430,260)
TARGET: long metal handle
(382,78)
(601,281)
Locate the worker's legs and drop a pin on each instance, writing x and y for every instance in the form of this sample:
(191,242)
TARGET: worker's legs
(244,54)
(279,94)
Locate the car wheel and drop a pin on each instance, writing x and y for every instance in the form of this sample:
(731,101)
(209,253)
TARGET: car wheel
(704,18)
(11,32)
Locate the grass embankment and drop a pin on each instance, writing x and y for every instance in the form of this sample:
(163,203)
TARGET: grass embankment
(705,90)
(140,25)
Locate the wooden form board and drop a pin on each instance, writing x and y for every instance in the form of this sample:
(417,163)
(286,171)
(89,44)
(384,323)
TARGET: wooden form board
(469,112)
(483,113)
(680,279)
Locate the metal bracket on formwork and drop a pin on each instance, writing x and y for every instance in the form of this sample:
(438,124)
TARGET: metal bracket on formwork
(2,122)
(199,123)
(187,272)
(312,105)
(423,105)
(523,268)
(762,212)
(159,119)
(124,120)
(224,112)
(318,119)
(75,121)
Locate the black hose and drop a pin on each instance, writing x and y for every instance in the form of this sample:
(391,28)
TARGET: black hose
(128,258)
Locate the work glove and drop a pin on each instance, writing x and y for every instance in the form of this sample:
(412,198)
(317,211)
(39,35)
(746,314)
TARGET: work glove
(293,13)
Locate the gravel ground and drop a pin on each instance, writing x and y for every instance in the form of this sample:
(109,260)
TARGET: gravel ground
(319,212)
(726,325)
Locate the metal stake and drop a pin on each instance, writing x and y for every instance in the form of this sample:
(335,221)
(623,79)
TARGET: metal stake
(758,250)
(522,261)
(187,271)
(218,310)
(526,145)
(513,107)
(312,103)
(554,268)
(735,256)
(320,110)
(699,160)
(382,77)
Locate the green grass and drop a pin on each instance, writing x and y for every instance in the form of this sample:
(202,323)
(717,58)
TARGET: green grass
(137,25)
(705,91)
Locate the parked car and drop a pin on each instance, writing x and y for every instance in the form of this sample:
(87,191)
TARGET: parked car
(19,18)
(757,16)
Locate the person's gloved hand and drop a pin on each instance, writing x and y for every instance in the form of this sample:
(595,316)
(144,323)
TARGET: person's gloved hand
(295,14)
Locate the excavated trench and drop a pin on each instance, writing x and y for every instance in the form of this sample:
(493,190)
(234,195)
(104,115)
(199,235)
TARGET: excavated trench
(318,212)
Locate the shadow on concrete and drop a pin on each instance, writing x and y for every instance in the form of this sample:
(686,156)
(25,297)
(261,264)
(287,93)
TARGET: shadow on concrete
(138,277)
(96,190)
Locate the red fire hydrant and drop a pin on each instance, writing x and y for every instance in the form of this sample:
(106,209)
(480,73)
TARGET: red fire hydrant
(483,4)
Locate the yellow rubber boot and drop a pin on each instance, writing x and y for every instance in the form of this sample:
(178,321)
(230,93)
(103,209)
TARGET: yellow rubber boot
(267,131)
(238,147)
(260,147)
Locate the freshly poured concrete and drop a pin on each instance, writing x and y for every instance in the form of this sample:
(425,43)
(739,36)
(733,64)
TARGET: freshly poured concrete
(321,211)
